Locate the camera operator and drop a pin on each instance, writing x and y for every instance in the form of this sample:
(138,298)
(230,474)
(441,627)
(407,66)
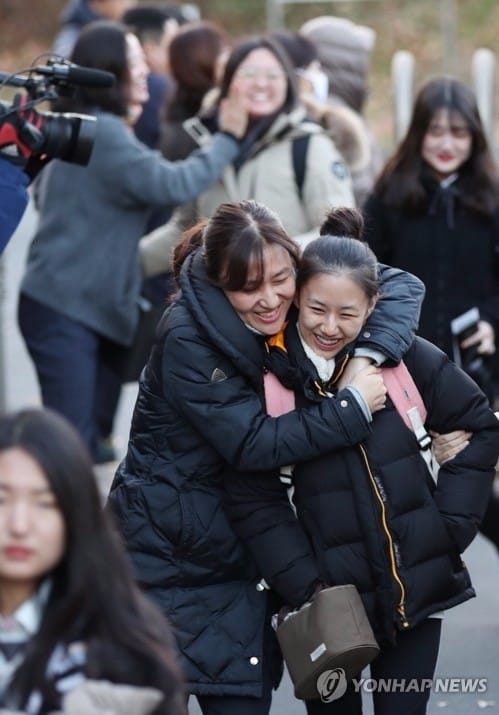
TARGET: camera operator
(79,302)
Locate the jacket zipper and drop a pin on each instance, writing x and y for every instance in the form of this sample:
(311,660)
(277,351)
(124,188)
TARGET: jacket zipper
(391,546)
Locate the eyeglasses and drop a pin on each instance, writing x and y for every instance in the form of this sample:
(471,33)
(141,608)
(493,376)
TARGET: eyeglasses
(253,73)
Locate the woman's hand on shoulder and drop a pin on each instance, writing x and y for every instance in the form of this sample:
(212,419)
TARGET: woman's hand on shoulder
(354,365)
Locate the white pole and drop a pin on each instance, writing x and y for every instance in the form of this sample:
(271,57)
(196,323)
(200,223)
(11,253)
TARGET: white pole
(275,15)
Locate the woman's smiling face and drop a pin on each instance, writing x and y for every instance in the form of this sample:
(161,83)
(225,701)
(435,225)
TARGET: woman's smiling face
(261,80)
(264,303)
(332,310)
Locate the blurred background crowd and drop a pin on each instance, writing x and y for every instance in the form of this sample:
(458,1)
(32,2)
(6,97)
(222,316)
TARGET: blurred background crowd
(442,35)
(297,105)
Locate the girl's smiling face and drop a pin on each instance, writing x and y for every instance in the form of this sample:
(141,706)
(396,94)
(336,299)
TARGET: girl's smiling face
(137,66)
(332,310)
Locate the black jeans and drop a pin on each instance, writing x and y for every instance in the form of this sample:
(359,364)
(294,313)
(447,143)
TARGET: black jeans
(414,658)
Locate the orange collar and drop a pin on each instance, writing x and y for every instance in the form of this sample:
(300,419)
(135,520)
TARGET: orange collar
(277,340)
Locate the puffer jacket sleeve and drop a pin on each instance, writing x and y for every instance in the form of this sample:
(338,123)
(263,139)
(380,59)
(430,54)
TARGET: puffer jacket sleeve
(391,327)
(227,410)
(454,402)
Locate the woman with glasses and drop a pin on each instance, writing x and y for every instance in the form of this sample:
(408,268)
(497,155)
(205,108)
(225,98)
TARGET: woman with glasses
(287,162)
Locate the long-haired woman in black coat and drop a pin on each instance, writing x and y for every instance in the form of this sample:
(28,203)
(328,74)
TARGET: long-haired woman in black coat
(434,211)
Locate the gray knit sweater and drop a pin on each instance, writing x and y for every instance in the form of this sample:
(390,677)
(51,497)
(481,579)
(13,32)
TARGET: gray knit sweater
(83,259)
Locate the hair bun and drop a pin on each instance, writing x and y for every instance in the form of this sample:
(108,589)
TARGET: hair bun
(343,221)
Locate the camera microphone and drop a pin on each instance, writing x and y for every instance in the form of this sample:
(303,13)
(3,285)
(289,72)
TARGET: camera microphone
(75,74)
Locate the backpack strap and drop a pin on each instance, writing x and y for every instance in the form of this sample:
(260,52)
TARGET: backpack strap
(407,401)
(299,147)
(400,386)
(403,393)
(278,398)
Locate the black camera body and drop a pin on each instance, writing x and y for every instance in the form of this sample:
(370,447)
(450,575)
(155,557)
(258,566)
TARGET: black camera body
(65,136)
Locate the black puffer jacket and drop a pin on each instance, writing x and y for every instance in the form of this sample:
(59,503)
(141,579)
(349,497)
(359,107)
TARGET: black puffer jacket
(199,408)
(371,512)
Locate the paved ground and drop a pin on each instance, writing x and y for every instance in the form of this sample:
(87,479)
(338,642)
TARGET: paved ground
(470,645)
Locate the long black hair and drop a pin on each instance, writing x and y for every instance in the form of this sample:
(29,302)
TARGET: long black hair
(401,181)
(93,598)
(101,45)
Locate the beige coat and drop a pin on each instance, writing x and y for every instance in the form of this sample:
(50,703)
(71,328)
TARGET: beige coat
(267,176)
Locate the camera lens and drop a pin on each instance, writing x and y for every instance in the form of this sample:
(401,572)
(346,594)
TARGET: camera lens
(68,136)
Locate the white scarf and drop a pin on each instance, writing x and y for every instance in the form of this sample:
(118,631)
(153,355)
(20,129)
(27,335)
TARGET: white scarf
(324,366)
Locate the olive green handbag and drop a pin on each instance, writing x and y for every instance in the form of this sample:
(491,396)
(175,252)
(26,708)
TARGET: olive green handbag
(330,632)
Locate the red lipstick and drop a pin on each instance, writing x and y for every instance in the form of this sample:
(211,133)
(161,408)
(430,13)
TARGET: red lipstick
(17,552)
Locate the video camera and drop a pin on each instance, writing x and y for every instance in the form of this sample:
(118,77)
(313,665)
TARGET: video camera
(65,136)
